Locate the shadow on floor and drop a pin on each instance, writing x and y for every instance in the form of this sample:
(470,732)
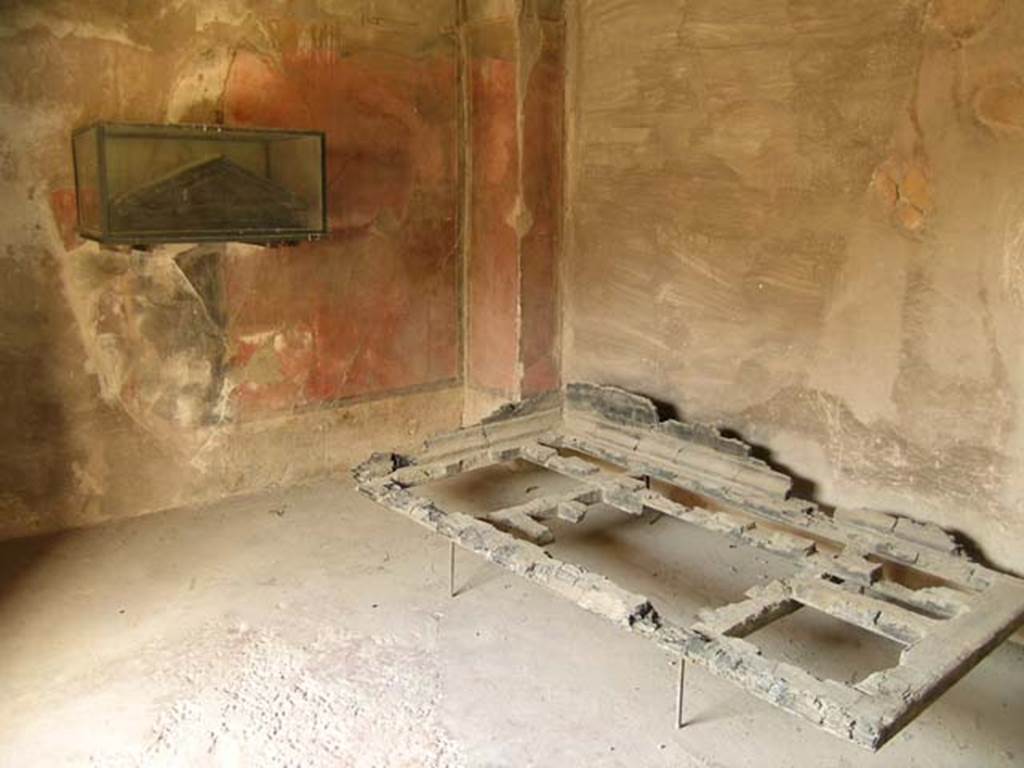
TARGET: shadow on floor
(19,557)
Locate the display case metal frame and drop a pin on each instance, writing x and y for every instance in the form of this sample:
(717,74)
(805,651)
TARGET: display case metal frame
(190,131)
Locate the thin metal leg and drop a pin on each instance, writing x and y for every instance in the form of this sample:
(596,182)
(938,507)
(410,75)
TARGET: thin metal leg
(679,702)
(451,569)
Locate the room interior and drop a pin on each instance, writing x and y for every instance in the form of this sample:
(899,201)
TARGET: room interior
(754,266)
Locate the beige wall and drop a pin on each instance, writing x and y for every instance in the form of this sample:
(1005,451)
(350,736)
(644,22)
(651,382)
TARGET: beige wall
(804,220)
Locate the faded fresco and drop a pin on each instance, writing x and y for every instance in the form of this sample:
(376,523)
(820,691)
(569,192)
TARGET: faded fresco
(141,380)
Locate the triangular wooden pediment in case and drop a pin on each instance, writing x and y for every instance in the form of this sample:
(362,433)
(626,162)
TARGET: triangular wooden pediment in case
(214,193)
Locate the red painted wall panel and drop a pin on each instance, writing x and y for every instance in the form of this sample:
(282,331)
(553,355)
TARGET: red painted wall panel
(374,307)
(493,273)
(542,191)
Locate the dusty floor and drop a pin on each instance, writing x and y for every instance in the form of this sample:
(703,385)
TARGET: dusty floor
(309,627)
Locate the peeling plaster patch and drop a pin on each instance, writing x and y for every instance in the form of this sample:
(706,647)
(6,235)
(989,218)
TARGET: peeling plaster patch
(200,86)
(91,477)
(8,160)
(904,190)
(878,464)
(1000,106)
(257,339)
(963,19)
(107,364)
(29,18)
(270,368)
(64,207)
(520,218)
(149,339)
(192,378)
(1013,257)
(263,368)
(223,12)
(25,221)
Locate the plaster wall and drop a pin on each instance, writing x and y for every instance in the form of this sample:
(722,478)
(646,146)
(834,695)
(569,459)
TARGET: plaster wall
(804,221)
(135,381)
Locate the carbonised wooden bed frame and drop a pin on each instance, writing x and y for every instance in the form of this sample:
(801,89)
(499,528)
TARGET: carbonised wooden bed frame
(843,558)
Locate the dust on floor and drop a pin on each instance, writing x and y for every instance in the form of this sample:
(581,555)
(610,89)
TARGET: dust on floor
(309,627)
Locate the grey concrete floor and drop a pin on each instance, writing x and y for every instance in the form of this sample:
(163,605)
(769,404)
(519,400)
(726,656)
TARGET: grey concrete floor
(309,627)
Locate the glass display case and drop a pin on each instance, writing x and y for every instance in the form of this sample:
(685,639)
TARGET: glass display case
(145,184)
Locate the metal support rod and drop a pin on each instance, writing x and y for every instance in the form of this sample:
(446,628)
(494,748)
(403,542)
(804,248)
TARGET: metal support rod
(451,569)
(679,701)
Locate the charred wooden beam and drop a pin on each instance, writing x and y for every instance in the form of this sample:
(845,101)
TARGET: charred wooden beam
(841,558)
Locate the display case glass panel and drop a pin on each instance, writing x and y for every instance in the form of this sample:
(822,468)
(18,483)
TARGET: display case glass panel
(140,184)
